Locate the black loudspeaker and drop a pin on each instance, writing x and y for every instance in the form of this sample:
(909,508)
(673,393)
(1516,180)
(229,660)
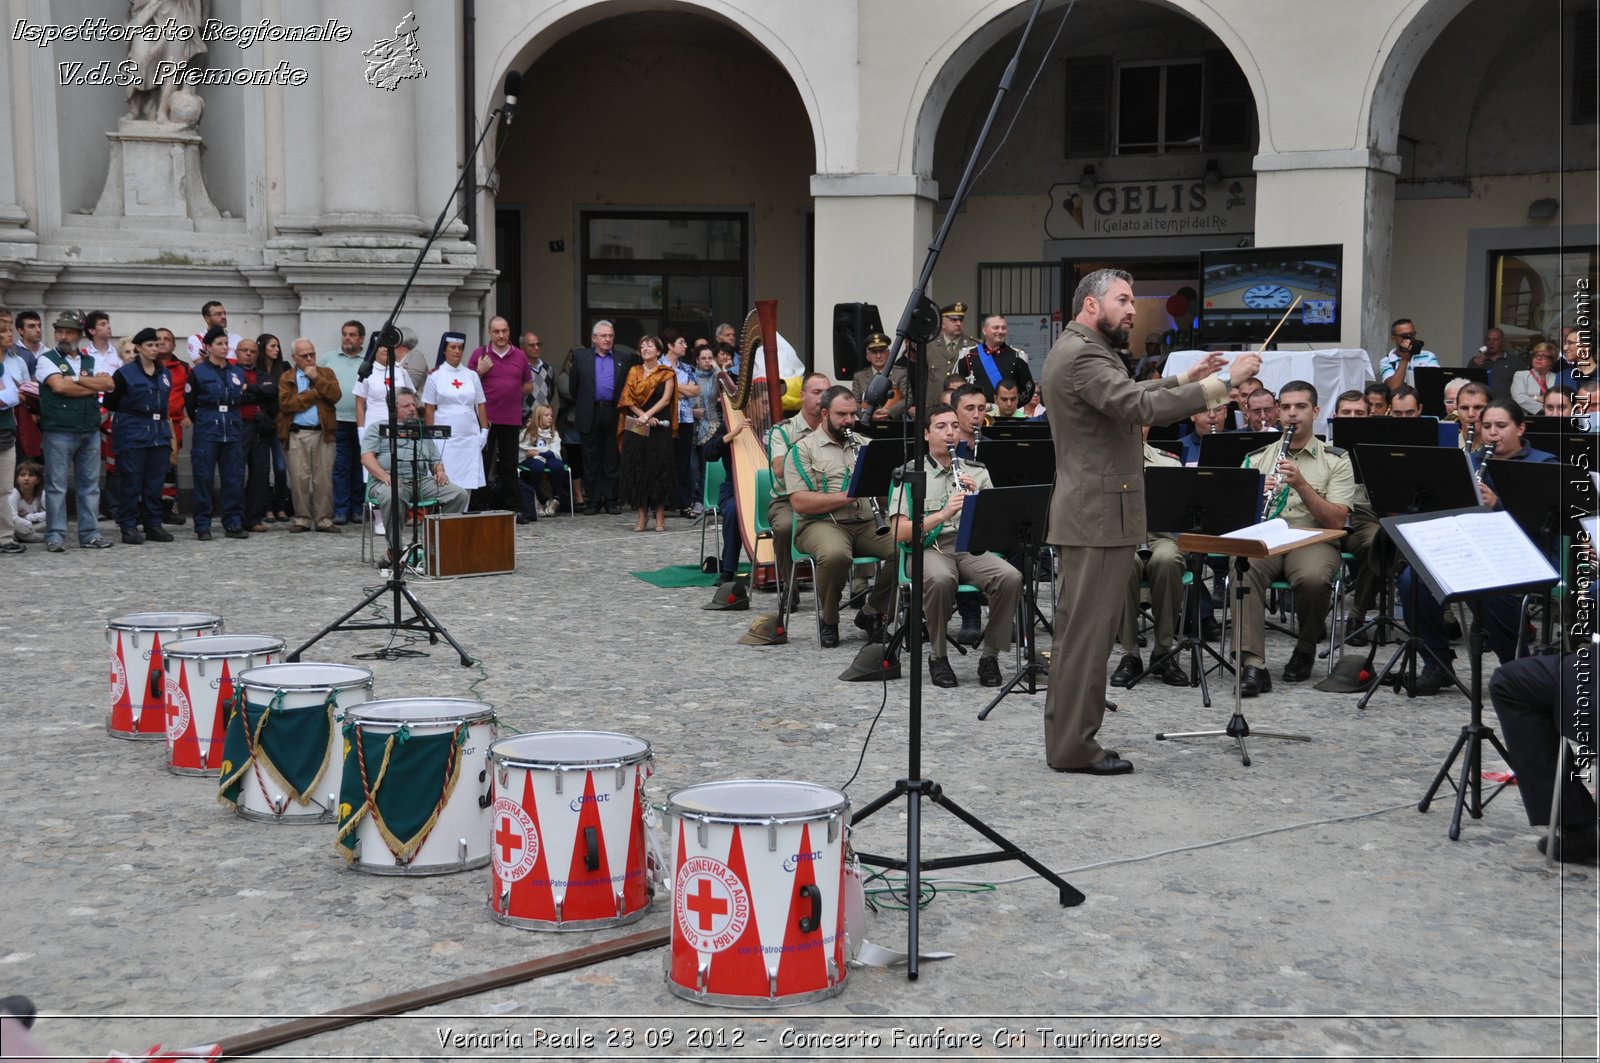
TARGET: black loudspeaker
(852,322)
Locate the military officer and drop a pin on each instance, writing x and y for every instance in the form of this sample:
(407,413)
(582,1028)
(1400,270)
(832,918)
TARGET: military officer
(944,351)
(894,405)
(994,360)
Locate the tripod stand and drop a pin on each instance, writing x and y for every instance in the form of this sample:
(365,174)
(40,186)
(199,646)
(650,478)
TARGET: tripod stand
(922,315)
(1192,641)
(421,620)
(1470,555)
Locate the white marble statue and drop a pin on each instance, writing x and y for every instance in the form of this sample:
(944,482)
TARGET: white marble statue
(164,103)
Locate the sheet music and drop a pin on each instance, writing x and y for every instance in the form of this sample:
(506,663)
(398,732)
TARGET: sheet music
(1477,551)
(1273,533)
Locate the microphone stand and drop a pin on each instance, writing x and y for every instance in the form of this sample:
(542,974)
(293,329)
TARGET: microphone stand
(422,620)
(914,787)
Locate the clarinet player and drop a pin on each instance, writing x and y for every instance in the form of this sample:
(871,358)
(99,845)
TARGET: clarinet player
(1097,508)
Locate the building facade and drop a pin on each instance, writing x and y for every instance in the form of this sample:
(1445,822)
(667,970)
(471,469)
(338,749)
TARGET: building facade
(673,160)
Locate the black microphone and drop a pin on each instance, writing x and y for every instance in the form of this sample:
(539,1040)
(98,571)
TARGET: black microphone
(513,90)
(387,336)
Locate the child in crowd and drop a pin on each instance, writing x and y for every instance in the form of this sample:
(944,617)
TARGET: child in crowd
(541,455)
(27,503)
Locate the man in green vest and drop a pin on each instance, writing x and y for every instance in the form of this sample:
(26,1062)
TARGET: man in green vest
(69,419)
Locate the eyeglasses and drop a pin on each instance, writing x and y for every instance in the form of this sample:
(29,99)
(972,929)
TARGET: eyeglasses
(1405,335)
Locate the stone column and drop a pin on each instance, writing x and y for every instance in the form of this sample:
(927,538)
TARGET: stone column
(1337,196)
(872,233)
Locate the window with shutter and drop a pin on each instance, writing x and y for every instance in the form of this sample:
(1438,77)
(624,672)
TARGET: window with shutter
(1585,69)
(1230,106)
(1089,106)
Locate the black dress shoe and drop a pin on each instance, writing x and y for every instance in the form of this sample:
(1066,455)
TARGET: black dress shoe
(828,634)
(236,533)
(1108,764)
(1354,635)
(988,671)
(1171,673)
(173,517)
(872,624)
(155,533)
(133,537)
(971,632)
(1211,629)
(1452,628)
(204,536)
(1298,670)
(1431,680)
(1128,670)
(940,674)
(591,509)
(613,509)
(1254,681)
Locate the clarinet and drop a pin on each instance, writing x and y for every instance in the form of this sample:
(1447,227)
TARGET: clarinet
(1471,430)
(1482,463)
(1270,495)
(955,471)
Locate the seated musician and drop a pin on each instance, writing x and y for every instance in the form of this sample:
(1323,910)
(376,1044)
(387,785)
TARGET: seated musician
(1007,402)
(1557,401)
(830,525)
(1535,699)
(894,407)
(944,567)
(1452,388)
(785,434)
(1374,553)
(1261,411)
(1204,423)
(432,484)
(1501,427)
(1315,488)
(1471,401)
(1377,396)
(1163,568)
(972,413)
(1405,402)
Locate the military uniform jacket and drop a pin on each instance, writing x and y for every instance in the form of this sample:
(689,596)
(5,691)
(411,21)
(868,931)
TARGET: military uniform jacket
(1096,409)
(941,485)
(817,463)
(1008,362)
(213,401)
(942,357)
(1327,469)
(782,438)
(140,402)
(897,381)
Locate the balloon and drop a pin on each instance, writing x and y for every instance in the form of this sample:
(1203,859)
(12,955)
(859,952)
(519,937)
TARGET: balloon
(1177,306)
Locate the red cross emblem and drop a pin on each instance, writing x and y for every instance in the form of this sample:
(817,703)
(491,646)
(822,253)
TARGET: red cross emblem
(515,841)
(712,904)
(707,901)
(456,383)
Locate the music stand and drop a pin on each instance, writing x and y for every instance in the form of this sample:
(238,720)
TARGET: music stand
(1000,520)
(1016,428)
(1017,462)
(1227,450)
(1199,502)
(1410,481)
(1453,553)
(1242,550)
(1531,493)
(415,431)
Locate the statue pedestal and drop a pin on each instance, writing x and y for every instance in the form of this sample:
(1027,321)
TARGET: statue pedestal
(155,174)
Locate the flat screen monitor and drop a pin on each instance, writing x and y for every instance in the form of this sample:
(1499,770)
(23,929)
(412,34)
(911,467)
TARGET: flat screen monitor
(1245,290)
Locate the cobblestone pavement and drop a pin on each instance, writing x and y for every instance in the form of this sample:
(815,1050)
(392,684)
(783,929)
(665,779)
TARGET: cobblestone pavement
(1299,907)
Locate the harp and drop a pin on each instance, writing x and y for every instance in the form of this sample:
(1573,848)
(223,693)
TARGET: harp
(760,402)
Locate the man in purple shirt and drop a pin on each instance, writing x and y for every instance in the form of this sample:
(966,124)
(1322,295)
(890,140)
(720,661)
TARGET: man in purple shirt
(504,372)
(598,375)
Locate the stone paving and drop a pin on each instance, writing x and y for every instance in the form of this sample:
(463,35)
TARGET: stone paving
(1300,907)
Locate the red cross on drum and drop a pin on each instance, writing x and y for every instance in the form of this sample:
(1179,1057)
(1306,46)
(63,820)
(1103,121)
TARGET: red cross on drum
(568,837)
(757,892)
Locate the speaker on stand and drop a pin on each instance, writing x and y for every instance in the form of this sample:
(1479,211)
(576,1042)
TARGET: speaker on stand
(852,322)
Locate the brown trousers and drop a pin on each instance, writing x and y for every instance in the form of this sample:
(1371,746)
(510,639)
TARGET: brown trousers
(1093,584)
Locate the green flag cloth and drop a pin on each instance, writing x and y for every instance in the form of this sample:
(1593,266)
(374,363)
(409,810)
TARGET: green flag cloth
(403,781)
(291,745)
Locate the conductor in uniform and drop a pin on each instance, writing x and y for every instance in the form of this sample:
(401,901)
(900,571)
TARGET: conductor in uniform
(944,351)
(1097,515)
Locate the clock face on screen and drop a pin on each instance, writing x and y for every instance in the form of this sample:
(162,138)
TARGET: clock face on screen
(1267,297)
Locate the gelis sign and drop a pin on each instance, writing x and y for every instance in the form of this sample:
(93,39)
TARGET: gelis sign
(1151,208)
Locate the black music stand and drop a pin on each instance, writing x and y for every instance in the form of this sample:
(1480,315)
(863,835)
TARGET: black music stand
(1349,433)
(1242,550)
(1410,481)
(1227,450)
(414,431)
(1471,582)
(1200,502)
(1023,463)
(1000,520)
(1017,428)
(1531,493)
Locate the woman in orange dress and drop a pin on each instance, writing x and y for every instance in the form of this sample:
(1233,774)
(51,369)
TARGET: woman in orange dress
(646,479)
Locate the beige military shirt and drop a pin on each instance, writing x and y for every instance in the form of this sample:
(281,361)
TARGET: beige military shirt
(941,485)
(783,436)
(1327,471)
(942,355)
(817,463)
(897,381)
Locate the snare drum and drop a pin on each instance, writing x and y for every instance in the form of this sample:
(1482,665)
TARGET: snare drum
(757,892)
(282,740)
(138,672)
(567,845)
(414,796)
(200,677)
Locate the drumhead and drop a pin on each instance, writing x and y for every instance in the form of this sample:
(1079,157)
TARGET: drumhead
(305,676)
(421,710)
(569,749)
(165,622)
(756,801)
(210,646)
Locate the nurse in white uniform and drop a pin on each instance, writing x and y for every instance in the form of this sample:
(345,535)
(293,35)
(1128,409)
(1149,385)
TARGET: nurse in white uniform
(453,396)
